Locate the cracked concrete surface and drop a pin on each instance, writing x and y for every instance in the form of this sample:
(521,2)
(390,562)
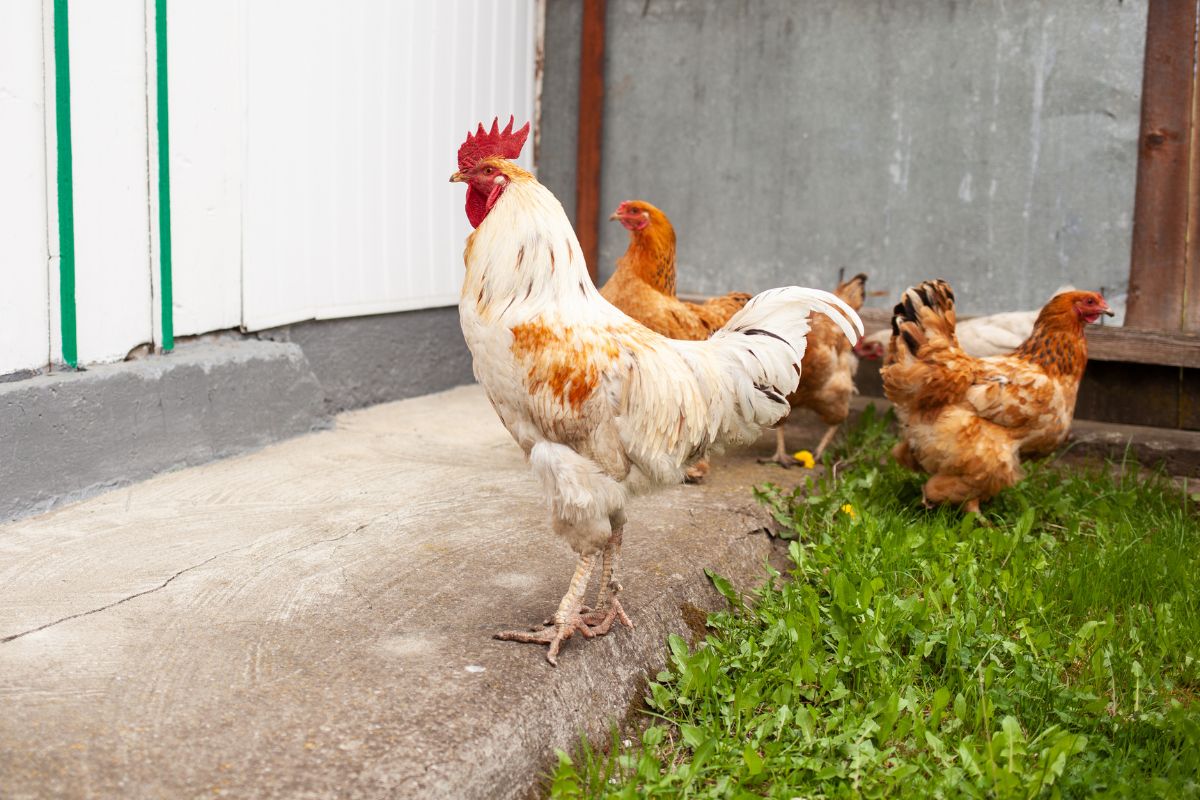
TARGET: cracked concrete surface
(314,620)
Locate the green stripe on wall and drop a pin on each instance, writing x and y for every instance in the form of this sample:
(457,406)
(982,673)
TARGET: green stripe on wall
(66,185)
(164,176)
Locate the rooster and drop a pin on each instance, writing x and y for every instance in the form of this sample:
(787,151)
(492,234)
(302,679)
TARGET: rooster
(602,406)
(826,374)
(643,286)
(967,421)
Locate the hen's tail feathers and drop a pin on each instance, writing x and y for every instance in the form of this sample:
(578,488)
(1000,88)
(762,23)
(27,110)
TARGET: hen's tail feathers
(923,318)
(751,365)
(853,291)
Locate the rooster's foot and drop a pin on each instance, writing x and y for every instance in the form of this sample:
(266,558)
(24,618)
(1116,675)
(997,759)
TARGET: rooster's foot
(601,620)
(554,637)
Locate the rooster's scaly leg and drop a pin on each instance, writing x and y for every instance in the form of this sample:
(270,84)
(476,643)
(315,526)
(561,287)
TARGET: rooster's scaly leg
(608,607)
(566,619)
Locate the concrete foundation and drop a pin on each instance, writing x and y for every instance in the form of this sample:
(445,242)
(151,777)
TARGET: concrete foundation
(361,361)
(67,435)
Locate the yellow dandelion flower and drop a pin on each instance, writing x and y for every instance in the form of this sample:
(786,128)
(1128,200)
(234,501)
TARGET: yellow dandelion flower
(848,510)
(805,458)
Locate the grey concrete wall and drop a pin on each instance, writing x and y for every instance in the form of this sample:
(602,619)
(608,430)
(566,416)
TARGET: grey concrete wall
(360,361)
(990,143)
(560,101)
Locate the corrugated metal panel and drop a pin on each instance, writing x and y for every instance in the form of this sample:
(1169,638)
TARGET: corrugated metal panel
(354,117)
(112,246)
(207,72)
(24,320)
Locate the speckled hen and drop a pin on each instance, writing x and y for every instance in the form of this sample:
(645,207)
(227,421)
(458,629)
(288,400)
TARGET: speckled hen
(967,421)
(602,406)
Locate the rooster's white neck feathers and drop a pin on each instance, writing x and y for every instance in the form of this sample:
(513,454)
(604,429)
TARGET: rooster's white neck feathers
(524,261)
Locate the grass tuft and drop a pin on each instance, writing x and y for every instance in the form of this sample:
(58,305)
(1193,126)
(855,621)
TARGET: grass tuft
(1051,650)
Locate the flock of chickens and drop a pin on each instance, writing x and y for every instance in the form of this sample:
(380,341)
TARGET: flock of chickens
(615,392)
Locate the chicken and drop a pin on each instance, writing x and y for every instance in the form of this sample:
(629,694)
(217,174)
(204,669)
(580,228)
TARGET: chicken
(826,374)
(990,335)
(643,286)
(602,406)
(968,421)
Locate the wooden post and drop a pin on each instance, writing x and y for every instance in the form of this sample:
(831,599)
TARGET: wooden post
(591,115)
(1164,273)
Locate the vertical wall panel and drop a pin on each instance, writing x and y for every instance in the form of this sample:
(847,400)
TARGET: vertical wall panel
(108,109)
(207,69)
(355,114)
(24,316)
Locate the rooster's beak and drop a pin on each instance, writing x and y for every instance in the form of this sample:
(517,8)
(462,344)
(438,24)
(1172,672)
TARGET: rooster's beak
(458,177)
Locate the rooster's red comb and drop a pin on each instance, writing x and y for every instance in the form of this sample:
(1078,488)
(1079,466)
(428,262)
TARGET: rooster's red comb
(485,144)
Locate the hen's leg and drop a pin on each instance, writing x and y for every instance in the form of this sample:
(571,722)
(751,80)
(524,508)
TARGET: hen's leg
(904,456)
(566,619)
(608,607)
(825,440)
(951,489)
(781,457)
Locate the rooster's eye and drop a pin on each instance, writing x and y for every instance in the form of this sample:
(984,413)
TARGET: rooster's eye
(488,171)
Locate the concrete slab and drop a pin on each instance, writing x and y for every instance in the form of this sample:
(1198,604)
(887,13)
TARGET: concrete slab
(313,619)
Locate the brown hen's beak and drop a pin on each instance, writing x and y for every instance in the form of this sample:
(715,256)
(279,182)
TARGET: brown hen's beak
(1108,312)
(616,215)
(458,177)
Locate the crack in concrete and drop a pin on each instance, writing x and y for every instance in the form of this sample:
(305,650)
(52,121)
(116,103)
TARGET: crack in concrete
(163,585)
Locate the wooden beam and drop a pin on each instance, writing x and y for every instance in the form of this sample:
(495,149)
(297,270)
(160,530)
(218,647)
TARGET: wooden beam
(1166,200)
(591,115)
(1105,342)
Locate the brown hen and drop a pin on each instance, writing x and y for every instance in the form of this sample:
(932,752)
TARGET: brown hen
(826,374)
(643,286)
(967,421)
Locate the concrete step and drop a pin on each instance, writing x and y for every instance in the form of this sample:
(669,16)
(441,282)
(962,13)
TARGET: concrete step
(314,619)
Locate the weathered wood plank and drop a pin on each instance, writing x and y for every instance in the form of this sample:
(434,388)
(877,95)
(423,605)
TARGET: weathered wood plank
(1105,343)
(591,116)
(1160,254)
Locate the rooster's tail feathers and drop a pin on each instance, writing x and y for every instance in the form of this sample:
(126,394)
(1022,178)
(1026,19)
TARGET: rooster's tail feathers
(778,312)
(924,315)
(758,355)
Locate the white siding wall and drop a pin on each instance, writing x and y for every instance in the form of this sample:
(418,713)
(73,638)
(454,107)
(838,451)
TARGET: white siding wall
(206,71)
(24,291)
(112,223)
(310,146)
(356,112)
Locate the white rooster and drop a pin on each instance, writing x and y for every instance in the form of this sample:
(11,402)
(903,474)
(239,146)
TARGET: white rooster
(603,407)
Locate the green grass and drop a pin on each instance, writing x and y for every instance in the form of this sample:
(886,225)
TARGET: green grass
(919,653)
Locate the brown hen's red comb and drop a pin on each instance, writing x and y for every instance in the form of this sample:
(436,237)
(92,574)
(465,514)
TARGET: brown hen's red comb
(496,142)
